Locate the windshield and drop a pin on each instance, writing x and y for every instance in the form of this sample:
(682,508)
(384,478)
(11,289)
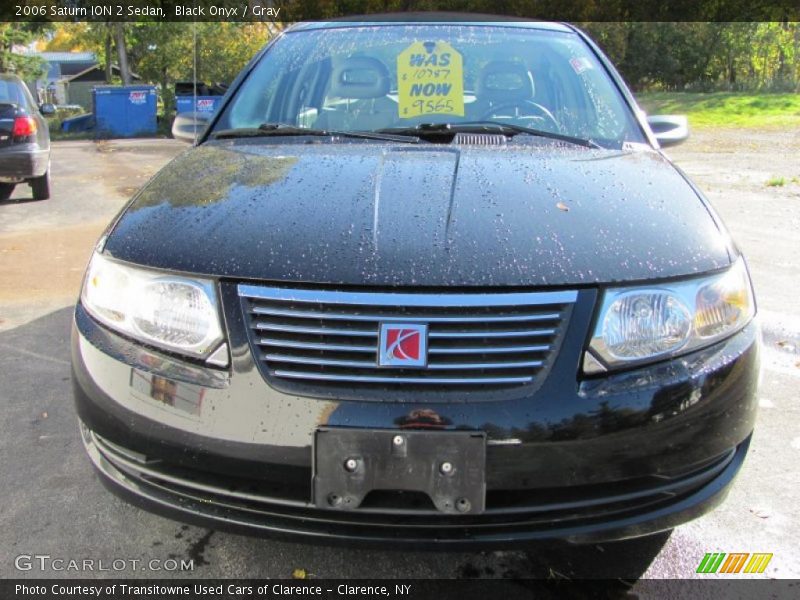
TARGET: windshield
(398,76)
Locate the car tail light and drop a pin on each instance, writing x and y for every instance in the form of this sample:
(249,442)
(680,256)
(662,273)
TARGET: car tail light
(24,126)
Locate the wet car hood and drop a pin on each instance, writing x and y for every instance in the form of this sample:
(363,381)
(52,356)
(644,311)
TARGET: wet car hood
(420,215)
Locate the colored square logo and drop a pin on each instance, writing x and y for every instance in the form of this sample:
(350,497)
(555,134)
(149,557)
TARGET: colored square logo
(403,345)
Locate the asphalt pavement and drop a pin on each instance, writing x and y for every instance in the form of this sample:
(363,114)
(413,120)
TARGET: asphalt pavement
(53,503)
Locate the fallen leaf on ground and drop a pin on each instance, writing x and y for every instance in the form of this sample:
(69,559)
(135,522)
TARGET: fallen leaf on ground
(299,574)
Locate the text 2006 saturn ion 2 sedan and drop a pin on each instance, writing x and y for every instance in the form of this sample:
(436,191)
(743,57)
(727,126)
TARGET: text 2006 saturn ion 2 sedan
(428,283)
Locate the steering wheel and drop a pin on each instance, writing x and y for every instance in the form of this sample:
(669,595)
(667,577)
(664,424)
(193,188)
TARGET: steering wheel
(525,105)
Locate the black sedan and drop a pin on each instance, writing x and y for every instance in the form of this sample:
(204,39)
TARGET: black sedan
(421,283)
(24,140)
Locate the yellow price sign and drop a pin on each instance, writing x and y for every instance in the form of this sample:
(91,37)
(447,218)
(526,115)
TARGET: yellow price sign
(430,80)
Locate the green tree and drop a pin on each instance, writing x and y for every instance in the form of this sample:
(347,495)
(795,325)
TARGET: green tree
(164,53)
(682,56)
(20,34)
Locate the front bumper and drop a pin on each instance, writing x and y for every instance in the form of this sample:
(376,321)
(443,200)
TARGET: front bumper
(619,456)
(184,496)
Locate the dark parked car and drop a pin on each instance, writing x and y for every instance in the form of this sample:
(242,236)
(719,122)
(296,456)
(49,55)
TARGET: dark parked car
(24,139)
(421,283)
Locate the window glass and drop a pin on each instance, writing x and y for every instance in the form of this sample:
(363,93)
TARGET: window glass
(382,76)
(10,92)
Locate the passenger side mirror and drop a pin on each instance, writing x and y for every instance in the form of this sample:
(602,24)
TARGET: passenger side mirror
(47,109)
(670,130)
(188,127)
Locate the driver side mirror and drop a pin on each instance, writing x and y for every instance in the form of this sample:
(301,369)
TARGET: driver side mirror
(669,130)
(47,109)
(189,126)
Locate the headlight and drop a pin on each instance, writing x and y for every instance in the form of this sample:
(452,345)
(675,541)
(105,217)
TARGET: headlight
(175,313)
(642,324)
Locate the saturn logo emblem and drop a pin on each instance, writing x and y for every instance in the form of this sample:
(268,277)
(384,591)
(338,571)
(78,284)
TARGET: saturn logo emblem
(403,345)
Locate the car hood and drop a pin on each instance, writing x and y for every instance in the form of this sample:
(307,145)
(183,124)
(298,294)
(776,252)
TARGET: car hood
(368,213)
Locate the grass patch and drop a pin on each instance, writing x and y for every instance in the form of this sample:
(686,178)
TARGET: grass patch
(726,109)
(54,123)
(776,182)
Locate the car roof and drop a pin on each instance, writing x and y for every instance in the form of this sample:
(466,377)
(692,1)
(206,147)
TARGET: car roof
(10,77)
(438,18)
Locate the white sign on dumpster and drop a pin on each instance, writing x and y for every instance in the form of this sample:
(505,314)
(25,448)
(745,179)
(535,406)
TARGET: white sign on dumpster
(205,105)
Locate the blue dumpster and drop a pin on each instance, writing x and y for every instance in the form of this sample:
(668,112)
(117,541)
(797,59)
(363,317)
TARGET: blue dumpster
(124,111)
(205,104)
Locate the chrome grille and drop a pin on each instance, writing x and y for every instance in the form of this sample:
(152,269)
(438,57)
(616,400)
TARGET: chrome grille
(331,338)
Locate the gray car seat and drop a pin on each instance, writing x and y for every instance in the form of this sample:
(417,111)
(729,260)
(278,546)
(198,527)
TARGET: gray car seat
(501,82)
(363,84)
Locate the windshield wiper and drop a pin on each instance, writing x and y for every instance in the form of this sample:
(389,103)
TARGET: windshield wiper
(283,129)
(507,129)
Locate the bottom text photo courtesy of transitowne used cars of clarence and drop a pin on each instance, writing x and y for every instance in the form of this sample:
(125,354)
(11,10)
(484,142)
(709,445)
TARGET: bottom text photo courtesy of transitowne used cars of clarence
(204,590)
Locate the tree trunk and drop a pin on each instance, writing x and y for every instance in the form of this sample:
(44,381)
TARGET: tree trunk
(166,93)
(122,51)
(731,71)
(4,49)
(108,43)
(796,61)
(785,70)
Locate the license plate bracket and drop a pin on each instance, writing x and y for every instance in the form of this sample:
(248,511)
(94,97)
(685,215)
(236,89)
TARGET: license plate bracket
(448,466)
